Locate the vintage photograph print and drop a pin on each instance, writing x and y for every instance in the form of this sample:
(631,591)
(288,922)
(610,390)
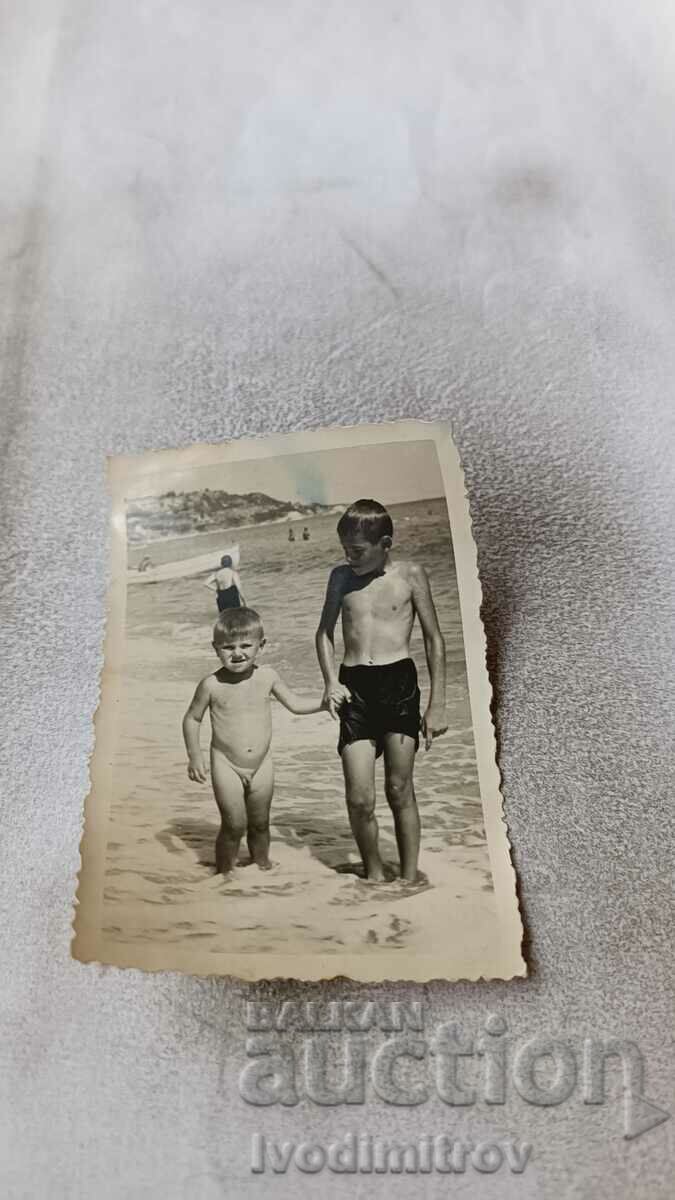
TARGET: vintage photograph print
(294,772)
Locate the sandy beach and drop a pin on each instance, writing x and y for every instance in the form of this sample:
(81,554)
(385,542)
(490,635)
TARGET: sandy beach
(160,886)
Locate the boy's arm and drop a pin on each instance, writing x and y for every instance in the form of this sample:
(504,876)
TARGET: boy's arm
(191,727)
(300,705)
(211,584)
(434,721)
(334,691)
(237,581)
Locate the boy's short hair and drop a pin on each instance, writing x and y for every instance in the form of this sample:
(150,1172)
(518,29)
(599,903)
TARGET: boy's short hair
(226,560)
(234,622)
(368,518)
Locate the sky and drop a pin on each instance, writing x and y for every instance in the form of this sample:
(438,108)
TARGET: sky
(391,473)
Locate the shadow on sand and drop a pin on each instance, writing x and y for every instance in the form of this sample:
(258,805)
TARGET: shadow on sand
(330,842)
(333,847)
(198,836)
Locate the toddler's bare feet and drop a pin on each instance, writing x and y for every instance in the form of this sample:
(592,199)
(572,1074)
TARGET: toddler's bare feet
(265,864)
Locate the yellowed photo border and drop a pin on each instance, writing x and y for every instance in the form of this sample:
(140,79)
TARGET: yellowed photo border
(142,475)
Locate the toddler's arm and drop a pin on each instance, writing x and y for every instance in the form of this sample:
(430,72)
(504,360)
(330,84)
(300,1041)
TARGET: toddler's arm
(192,722)
(237,581)
(299,705)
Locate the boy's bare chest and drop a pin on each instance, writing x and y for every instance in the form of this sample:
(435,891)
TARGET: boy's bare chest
(386,598)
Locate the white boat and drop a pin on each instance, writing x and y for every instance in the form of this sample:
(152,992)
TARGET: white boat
(185,567)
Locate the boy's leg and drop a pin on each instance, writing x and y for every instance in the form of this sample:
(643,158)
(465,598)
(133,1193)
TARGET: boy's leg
(399,760)
(258,801)
(229,792)
(358,765)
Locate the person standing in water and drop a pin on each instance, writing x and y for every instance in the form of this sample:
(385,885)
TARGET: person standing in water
(305,534)
(227,585)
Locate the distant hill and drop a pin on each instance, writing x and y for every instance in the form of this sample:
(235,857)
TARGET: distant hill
(177,514)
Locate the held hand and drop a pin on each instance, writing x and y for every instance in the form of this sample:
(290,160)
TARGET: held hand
(197,770)
(434,723)
(335,695)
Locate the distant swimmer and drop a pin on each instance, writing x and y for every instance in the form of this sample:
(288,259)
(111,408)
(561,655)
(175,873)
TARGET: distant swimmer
(227,586)
(146,563)
(291,535)
(305,534)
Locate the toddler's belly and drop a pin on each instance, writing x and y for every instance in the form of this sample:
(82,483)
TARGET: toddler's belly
(246,745)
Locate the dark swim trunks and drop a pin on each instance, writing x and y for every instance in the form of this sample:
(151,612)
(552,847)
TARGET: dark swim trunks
(385,699)
(228,598)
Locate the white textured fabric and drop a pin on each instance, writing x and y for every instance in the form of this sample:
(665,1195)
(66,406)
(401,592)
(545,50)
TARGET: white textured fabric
(222,218)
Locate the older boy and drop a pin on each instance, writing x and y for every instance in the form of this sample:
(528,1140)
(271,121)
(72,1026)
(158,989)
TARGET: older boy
(375,691)
(238,697)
